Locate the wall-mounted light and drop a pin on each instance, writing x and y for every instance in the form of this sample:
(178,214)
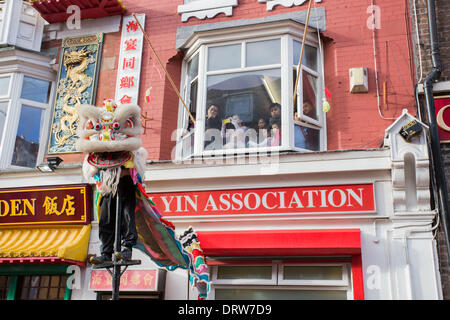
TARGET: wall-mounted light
(51,165)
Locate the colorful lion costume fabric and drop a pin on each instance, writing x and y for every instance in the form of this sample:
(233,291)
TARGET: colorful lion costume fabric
(111,136)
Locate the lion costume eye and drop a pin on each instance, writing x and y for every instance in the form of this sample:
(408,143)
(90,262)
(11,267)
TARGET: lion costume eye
(129,124)
(116,126)
(98,127)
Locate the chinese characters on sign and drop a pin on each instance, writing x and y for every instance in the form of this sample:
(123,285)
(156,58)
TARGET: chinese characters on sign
(45,205)
(131,280)
(130,61)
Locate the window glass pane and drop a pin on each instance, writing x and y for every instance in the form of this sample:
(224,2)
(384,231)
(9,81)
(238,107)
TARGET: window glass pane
(263,53)
(309,55)
(309,95)
(45,281)
(35,89)
(236,103)
(4,85)
(53,294)
(224,57)
(193,102)
(244,272)
(4,285)
(312,273)
(3,110)
(307,138)
(27,140)
(268,294)
(54,282)
(193,68)
(43,293)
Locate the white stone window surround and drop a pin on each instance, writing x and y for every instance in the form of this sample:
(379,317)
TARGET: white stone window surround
(203,9)
(192,38)
(285,3)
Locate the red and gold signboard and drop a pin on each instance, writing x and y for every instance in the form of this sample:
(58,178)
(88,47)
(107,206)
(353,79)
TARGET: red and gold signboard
(294,200)
(442,107)
(69,204)
(131,280)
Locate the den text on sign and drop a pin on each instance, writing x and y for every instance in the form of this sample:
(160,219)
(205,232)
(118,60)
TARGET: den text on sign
(295,200)
(69,204)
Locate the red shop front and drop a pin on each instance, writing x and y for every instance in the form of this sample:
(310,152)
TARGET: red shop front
(263,260)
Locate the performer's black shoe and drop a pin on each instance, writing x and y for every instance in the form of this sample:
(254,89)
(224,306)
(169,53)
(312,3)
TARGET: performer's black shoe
(125,254)
(100,259)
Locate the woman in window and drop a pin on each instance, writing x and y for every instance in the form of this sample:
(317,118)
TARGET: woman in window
(213,125)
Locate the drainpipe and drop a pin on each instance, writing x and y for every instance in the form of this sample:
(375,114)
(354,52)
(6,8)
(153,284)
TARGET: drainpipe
(439,183)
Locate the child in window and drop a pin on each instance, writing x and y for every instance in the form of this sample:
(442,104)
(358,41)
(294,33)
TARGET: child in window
(275,138)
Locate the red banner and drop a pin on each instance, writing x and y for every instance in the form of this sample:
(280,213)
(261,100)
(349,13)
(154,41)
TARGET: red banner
(69,204)
(131,280)
(302,200)
(442,107)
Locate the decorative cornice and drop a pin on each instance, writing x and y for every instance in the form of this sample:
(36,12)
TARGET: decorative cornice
(285,3)
(203,9)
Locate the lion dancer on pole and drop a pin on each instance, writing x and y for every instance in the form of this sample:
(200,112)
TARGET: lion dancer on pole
(110,134)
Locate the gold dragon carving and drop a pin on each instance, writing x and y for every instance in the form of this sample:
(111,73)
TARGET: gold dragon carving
(71,90)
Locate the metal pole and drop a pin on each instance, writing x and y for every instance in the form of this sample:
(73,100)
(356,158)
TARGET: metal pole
(301,55)
(117,246)
(164,68)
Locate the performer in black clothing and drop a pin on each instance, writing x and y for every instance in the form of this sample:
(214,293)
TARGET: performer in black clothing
(127,205)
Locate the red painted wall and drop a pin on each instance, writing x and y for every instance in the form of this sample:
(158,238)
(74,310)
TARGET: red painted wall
(354,121)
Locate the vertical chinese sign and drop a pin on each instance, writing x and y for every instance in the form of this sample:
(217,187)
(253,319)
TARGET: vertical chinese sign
(442,108)
(130,60)
(77,80)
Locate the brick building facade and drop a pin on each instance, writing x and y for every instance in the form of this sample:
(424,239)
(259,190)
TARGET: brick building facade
(352,206)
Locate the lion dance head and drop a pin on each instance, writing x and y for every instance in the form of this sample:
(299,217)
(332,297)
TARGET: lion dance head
(109,128)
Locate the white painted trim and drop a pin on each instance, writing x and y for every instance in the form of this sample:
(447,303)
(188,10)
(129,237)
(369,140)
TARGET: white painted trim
(285,3)
(203,9)
(58,31)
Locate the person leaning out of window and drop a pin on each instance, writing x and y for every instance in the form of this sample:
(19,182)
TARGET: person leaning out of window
(303,135)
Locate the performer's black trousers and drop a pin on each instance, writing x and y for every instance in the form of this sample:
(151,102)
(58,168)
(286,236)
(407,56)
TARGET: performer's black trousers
(127,204)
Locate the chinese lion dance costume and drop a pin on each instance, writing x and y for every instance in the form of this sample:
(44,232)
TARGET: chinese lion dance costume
(110,135)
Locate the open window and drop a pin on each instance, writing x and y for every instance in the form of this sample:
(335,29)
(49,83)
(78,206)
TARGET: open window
(236,82)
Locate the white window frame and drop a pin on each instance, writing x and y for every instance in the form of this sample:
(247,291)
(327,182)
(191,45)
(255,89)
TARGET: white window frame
(320,123)
(278,283)
(287,31)
(8,140)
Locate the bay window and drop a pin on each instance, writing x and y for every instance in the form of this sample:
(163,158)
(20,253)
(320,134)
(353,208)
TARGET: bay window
(239,85)
(24,119)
